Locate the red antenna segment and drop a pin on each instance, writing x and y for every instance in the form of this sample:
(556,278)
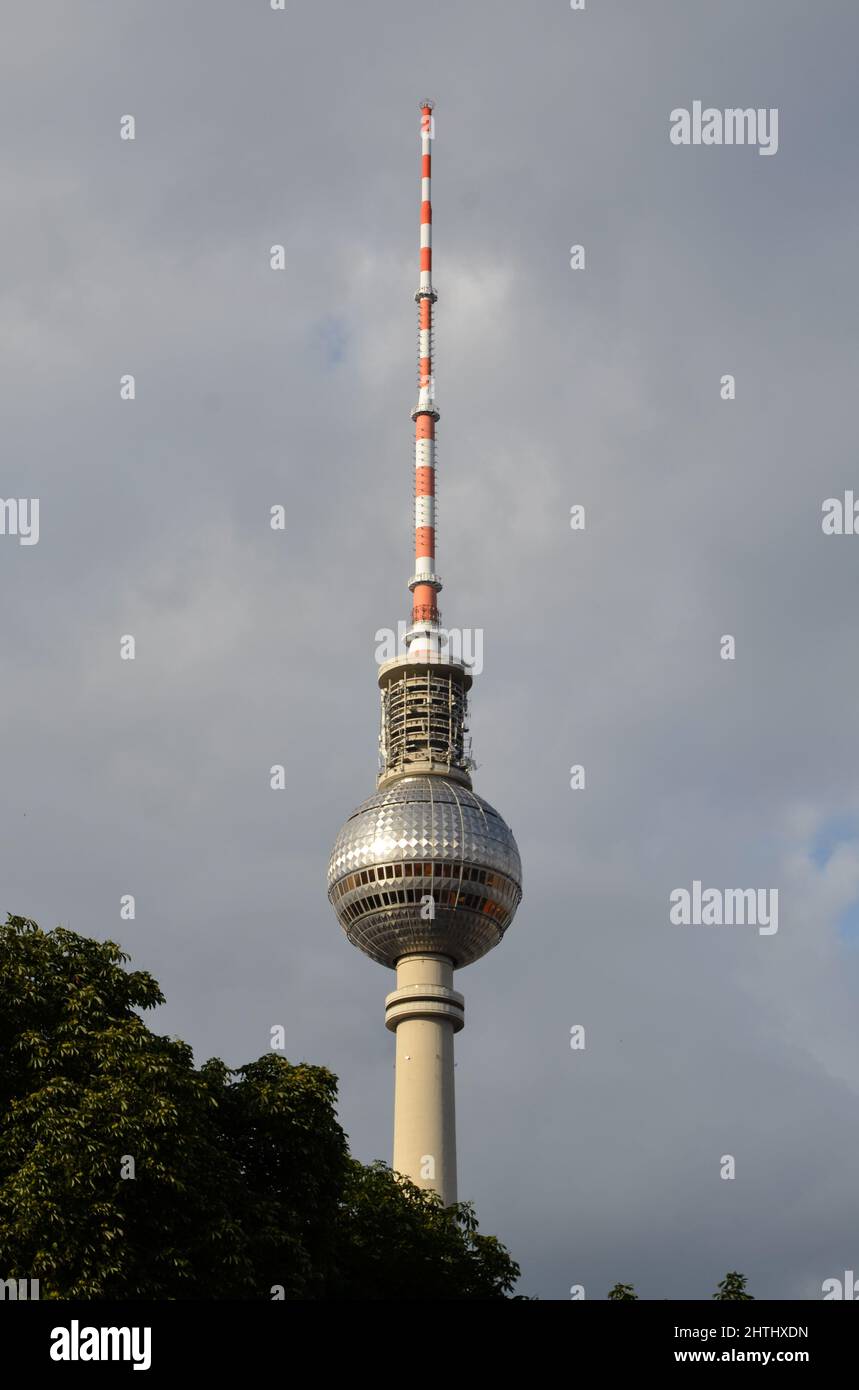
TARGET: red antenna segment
(425,583)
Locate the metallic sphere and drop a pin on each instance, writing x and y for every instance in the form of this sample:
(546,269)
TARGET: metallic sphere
(423,844)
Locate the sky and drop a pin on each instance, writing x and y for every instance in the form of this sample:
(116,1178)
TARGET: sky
(599,387)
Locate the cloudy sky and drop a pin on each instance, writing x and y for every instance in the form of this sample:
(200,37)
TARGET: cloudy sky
(599,387)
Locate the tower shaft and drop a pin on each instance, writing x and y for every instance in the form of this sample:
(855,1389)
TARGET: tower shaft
(425,1011)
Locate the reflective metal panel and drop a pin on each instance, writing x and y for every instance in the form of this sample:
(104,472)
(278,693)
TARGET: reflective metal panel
(420,839)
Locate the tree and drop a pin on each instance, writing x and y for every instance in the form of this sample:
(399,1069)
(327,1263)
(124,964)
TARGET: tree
(127,1172)
(733,1286)
(623,1293)
(400,1241)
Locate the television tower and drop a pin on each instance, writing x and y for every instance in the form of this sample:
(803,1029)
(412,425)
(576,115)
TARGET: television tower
(425,876)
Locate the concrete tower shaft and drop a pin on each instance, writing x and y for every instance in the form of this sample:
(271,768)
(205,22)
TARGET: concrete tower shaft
(424,1012)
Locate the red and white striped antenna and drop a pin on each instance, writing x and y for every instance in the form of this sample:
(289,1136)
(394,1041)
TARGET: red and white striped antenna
(422,637)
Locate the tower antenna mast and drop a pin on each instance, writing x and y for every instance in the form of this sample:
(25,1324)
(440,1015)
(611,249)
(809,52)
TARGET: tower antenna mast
(422,638)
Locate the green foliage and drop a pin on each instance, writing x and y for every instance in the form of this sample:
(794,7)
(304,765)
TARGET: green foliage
(623,1293)
(733,1286)
(243,1180)
(425,1249)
